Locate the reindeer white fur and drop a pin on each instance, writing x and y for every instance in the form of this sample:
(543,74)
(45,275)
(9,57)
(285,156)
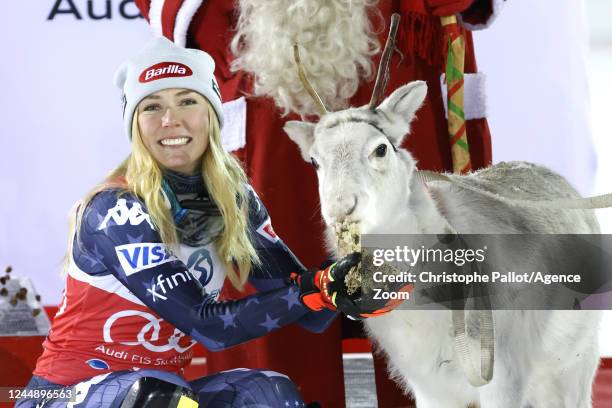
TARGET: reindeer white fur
(542,358)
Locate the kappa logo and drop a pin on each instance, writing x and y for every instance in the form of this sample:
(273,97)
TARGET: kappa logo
(267,231)
(137,257)
(164,70)
(121,215)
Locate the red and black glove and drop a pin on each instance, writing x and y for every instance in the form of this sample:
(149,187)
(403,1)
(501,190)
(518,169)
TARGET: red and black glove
(443,8)
(327,289)
(319,289)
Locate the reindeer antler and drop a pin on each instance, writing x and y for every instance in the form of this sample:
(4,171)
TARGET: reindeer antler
(302,74)
(382,77)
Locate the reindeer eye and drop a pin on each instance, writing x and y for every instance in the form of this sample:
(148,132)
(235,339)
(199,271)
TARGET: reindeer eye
(314,163)
(381,150)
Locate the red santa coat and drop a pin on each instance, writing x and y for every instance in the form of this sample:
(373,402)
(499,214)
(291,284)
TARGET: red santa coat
(288,186)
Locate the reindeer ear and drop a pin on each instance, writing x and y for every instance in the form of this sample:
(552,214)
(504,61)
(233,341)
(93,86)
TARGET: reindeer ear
(402,105)
(302,134)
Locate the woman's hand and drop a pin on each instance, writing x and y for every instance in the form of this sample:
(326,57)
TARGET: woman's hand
(327,289)
(319,289)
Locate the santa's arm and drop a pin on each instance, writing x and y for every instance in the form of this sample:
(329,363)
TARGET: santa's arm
(481,14)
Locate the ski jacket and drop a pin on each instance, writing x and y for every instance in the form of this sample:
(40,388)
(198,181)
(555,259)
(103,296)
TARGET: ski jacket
(131,302)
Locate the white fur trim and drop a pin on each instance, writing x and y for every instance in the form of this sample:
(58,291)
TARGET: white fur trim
(474,96)
(183,20)
(233,134)
(155,13)
(497,6)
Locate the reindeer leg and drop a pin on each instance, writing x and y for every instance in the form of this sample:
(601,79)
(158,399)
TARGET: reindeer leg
(568,387)
(506,390)
(564,377)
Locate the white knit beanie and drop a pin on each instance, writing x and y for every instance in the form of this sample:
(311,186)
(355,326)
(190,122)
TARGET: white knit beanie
(162,65)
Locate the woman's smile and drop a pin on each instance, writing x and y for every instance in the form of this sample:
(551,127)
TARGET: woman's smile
(175,141)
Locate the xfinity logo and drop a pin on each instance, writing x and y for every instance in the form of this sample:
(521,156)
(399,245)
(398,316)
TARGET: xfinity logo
(137,257)
(164,70)
(96,9)
(163,284)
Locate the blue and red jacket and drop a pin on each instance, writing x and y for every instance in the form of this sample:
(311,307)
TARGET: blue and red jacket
(131,302)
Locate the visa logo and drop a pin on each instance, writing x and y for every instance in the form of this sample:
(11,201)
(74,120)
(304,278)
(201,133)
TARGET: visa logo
(137,257)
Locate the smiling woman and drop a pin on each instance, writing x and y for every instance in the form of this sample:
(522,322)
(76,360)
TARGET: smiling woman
(151,248)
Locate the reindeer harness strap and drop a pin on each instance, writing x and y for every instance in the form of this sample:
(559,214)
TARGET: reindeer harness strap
(479,371)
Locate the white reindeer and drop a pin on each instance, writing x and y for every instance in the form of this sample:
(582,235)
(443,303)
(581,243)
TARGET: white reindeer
(542,358)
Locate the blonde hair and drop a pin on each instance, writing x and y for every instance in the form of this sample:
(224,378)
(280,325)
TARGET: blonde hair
(225,180)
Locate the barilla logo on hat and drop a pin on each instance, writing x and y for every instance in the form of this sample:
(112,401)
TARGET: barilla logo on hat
(164,70)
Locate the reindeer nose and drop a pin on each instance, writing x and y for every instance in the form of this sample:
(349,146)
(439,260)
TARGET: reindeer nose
(352,209)
(345,206)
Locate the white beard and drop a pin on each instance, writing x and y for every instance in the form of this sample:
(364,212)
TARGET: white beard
(336,45)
